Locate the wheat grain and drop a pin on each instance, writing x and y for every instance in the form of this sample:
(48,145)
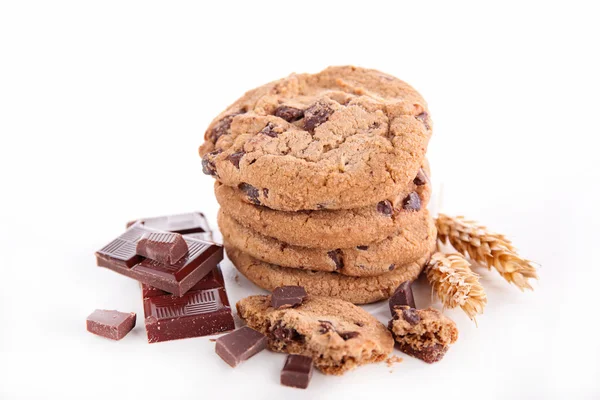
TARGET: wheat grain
(489,249)
(455,284)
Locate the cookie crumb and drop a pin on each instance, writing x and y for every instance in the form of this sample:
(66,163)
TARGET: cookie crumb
(393,360)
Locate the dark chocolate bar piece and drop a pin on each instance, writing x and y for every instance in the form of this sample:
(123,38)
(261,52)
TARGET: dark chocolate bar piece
(287,296)
(403,296)
(110,324)
(164,247)
(297,371)
(202,311)
(193,222)
(176,278)
(240,345)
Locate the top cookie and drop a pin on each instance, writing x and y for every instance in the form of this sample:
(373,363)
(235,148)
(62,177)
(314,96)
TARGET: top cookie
(344,138)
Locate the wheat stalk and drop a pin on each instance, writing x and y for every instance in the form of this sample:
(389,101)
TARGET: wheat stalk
(455,284)
(486,248)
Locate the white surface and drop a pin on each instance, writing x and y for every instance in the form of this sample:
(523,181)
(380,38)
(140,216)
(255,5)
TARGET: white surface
(102,107)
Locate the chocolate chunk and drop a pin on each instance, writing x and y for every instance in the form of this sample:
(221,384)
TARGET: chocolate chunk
(185,224)
(392,267)
(208,166)
(403,296)
(385,207)
(120,256)
(164,247)
(421,178)
(240,345)
(429,354)
(362,247)
(110,324)
(203,310)
(348,335)
(412,202)
(325,326)
(222,126)
(359,324)
(284,334)
(423,118)
(411,316)
(297,371)
(269,130)
(287,296)
(236,157)
(250,191)
(316,115)
(266,193)
(290,114)
(336,256)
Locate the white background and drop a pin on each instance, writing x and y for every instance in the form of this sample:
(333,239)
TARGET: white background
(102,108)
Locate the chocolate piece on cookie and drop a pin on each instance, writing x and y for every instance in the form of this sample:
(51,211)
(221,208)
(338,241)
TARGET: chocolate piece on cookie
(287,296)
(344,138)
(353,337)
(424,334)
(357,290)
(408,245)
(403,296)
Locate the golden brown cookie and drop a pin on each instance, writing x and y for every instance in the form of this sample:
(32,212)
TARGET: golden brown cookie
(408,245)
(336,334)
(357,290)
(344,138)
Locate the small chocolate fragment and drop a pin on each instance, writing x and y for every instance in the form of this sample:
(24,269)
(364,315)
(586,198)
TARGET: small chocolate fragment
(362,247)
(421,178)
(429,354)
(236,157)
(392,267)
(222,126)
(287,296)
(326,326)
(403,296)
(203,310)
(240,345)
(385,207)
(193,222)
(336,256)
(423,118)
(251,192)
(411,316)
(290,114)
(110,324)
(316,115)
(164,247)
(412,202)
(208,166)
(269,130)
(297,371)
(348,335)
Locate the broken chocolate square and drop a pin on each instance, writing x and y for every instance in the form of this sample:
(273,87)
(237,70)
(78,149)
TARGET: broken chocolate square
(164,247)
(287,296)
(240,345)
(297,371)
(110,324)
(403,296)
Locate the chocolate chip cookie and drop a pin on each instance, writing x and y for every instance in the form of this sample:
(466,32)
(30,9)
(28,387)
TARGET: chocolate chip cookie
(404,247)
(425,334)
(357,290)
(344,138)
(336,334)
(328,229)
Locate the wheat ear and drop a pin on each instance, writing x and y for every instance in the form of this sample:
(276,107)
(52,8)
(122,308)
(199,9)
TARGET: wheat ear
(486,248)
(455,284)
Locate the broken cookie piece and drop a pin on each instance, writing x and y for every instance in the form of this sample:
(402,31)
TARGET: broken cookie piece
(337,335)
(424,334)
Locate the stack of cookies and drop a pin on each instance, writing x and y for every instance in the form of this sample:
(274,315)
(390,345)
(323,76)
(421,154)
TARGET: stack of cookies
(323,183)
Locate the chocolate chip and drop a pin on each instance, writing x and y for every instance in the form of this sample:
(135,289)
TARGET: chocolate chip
(208,166)
(266,192)
(251,192)
(269,130)
(359,324)
(348,335)
(279,332)
(290,114)
(222,126)
(336,256)
(392,267)
(325,326)
(411,316)
(423,118)
(412,202)
(236,157)
(385,207)
(421,178)
(362,247)
(315,115)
